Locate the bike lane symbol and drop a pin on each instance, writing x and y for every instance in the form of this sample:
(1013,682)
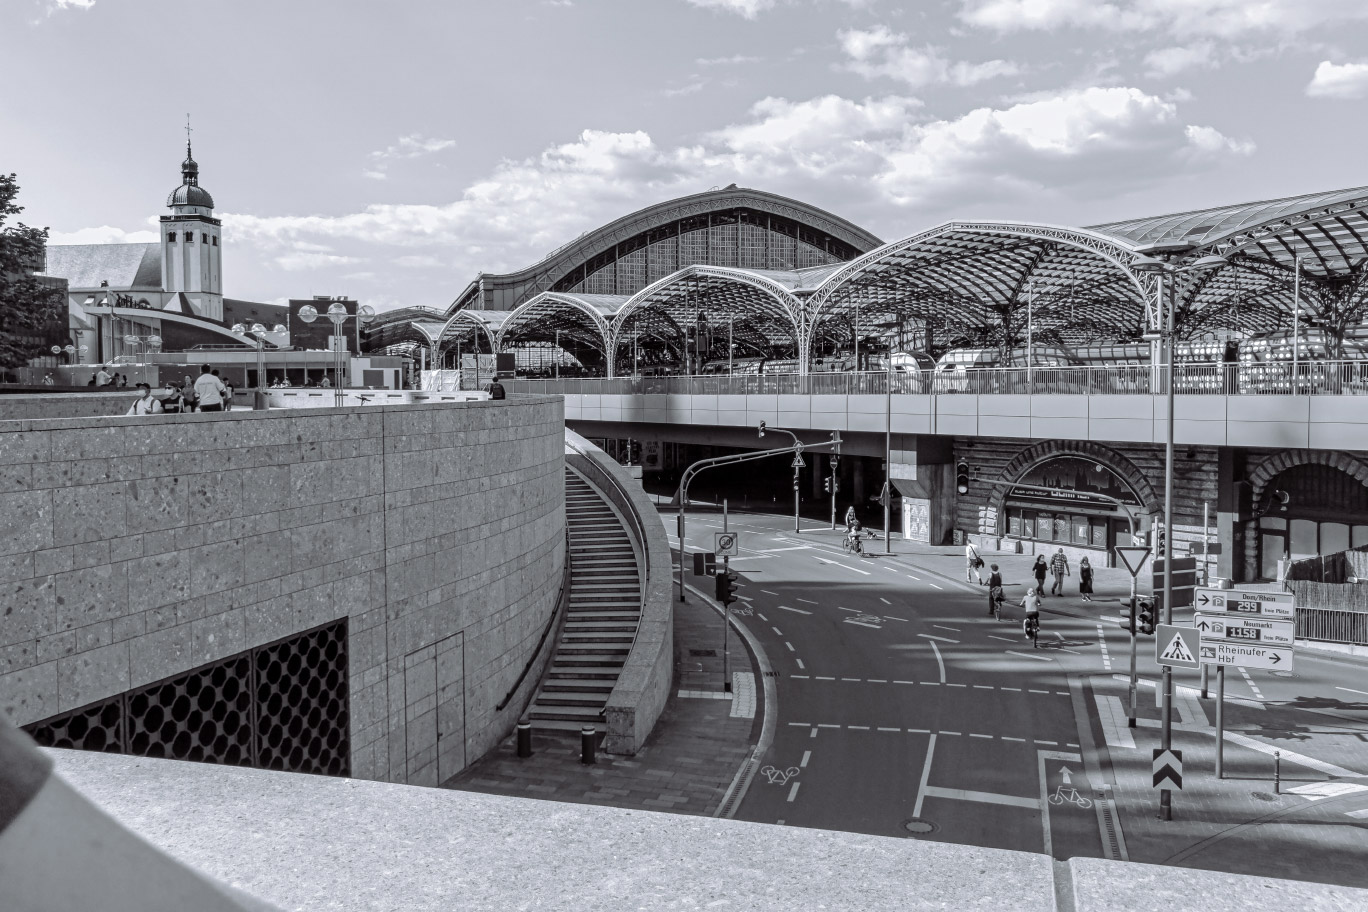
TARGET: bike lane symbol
(1067,803)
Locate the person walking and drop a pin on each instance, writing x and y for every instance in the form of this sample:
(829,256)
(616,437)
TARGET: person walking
(146,403)
(209,391)
(1085,579)
(972,564)
(1059,566)
(1040,568)
(496,390)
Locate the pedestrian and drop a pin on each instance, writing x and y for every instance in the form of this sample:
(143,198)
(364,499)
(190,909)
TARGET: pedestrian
(994,590)
(1059,566)
(1040,568)
(171,399)
(188,393)
(93,379)
(48,381)
(972,564)
(123,381)
(146,403)
(209,391)
(1085,576)
(103,377)
(496,390)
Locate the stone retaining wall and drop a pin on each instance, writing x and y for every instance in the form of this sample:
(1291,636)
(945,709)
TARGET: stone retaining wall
(132,549)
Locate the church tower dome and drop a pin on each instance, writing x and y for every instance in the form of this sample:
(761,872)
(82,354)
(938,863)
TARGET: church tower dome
(190,193)
(192,260)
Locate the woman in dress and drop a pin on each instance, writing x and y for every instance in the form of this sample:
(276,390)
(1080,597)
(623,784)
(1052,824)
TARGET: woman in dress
(1085,579)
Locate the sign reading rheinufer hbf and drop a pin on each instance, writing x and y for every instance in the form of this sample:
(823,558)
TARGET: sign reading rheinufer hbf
(1247,656)
(1268,604)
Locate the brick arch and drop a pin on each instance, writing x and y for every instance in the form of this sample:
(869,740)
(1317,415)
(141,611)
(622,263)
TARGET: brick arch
(1032,456)
(1275,465)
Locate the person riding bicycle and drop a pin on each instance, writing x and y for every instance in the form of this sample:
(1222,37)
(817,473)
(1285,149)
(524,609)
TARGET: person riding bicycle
(850,521)
(854,536)
(995,591)
(1031,602)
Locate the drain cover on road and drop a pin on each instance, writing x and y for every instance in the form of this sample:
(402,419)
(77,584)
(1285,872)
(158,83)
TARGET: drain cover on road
(702,652)
(919,826)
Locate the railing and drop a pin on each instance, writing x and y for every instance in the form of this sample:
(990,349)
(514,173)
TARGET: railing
(1311,378)
(1330,625)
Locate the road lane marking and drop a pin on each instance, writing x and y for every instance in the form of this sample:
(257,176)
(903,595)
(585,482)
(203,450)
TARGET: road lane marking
(1017,689)
(936,791)
(1250,681)
(793,792)
(926,774)
(799,677)
(882,729)
(884,600)
(891,618)
(877,680)
(904,682)
(794,610)
(993,636)
(762,617)
(975,735)
(851,610)
(824,678)
(839,564)
(799,724)
(944,732)
(919,731)
(983,687)
(1048,743)
(800,665)
(940,663)
(1352,691)
(1010,738)
(802,764)
(745,598)
(1027,655)
(826,725)
(776,550)
(807,601)
(932,683)
(931,636)
(858,727)
(1115,722)
(943,627)
(933,585)
(813,733)
(777,631)
(857,680)
(911,577)
(767,592)
(1034,691)
(1102,642)
(1329,769)
(956,685)
(790,646)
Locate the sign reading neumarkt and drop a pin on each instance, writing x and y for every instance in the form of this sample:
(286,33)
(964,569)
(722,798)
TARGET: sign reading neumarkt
(1255,629)
(1268,604)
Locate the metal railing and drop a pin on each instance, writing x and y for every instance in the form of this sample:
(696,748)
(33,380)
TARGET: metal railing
(1310,378)
(1330,625)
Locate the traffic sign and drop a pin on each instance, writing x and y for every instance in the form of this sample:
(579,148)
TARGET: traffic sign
(1268,604)
(1132,557)
(798,462)
(1176,646)
(1249,655)
(704,564)
(1258,629)
(727,544)
(1184,579)
(1168,768)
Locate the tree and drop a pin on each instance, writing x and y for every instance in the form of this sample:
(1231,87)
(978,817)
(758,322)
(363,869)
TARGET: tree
(28,308)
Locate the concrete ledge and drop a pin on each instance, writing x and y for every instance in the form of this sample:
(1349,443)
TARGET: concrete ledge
(643,687)
(312,842)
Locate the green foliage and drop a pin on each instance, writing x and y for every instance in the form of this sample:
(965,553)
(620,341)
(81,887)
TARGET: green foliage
(28,308)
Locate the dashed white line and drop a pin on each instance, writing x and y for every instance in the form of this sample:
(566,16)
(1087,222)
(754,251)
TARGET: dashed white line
(993,636)
(803,763)
(800,665)
(794,610)
(824,678)
(790,646)
(1009,738)
(877,680)
(852,679)
(762,617)
(890,617)
(1034,691)
(851,610)
(799,724)
(793,792)
(940,663)
(911,577)
(973,735)
(858,727)
(807,601)
(1102,642)
(1017,689)
(777,631)
(882,729)
(800,677)
(1250,681)
(1352,691)
(767,592)
(956,685)
(943,627)
(1050,743)
(983,687)
(826,725)
(904,682)
(933,585)
(944,732)
(884,600)
(932,636)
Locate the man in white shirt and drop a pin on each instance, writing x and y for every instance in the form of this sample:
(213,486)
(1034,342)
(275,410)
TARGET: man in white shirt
(103,377)
(146,403)
(209,391)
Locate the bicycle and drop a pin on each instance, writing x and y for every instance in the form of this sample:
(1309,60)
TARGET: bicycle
(1033,630)
(996,597)
(851,544)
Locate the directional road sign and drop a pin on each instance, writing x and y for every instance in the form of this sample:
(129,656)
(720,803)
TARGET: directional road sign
(1269,604)
(1168,768)
(727,544)
(1247,655)
(798,462)
(1176,646)
(1132,557)
(1236,628)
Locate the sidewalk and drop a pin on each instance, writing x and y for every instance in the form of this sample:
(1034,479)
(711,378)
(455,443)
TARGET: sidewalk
(1312,826)
(688,762)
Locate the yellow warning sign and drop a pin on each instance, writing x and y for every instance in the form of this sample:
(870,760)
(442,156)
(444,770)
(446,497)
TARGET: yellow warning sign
(1181,648)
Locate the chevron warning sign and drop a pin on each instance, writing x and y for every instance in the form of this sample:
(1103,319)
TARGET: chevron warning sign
(1168,768)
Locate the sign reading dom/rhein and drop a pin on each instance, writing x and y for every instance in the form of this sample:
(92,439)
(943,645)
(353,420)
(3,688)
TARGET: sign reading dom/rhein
(1268,604)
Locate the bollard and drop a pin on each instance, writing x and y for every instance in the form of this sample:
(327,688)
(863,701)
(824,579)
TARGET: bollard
(524,739)
(587,734)
(1277,772)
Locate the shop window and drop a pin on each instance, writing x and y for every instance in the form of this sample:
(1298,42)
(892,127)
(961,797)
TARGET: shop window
(1081,535)
(1061,528)
(1014,523)
(1044,523)
(1099,533)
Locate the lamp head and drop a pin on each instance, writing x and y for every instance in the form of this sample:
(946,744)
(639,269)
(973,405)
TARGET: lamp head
(258,328)
(154,341)
(1148,264)
(308,313)
(337,309)
(366,313)
(279,328)
(238,328)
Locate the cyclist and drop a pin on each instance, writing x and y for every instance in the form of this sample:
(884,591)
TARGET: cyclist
(995,592)
(1031,626)
(853,537)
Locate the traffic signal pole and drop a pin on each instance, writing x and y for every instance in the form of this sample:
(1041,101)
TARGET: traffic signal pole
(726,612)
(1134,636)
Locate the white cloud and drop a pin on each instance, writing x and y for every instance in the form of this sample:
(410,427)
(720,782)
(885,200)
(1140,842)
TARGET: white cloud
(70,4)
(880,52)
(105,234)
(1224,18)
(299,261)
(733,60)
(747,9)
(687,89)
(1342,80)
(417,261)
(1171,60)
(406,147)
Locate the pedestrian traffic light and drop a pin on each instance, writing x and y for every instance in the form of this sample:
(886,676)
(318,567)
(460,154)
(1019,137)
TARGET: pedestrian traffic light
(962,477)
(1146,607)
(726,587)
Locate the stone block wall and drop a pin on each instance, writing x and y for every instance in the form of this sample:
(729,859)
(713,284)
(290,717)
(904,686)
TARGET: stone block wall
(135,548)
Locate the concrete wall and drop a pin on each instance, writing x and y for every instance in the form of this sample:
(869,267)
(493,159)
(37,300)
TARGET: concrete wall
(135,548)
(83,405)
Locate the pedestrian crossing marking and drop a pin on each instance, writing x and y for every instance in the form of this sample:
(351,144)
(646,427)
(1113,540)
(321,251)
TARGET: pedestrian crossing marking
(1177,650)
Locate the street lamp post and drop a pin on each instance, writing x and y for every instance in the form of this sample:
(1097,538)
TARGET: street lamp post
(1170,273)
(1296,321)
(150,343)
(257,330)
(337,314)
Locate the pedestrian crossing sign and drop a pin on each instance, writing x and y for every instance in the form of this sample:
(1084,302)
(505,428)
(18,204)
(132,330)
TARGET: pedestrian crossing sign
(1176,646)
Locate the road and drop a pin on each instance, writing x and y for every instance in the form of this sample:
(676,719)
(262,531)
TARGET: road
(903,707)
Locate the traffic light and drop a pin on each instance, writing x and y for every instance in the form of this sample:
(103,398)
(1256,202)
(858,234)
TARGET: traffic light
(726,587)
(826,484)
(962,477)
(1128,623)
(1146,610)
(762,429)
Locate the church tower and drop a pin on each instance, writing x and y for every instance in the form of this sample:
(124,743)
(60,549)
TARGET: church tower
(190,239)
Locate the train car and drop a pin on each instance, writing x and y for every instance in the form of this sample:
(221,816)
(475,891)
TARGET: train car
(982,370)
(1266,363)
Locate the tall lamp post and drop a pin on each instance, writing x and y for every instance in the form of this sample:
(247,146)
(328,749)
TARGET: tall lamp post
(150,343)
(337,313)
(257,331)
(1168,274)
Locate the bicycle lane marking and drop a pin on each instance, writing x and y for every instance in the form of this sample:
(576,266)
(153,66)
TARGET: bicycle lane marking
(1066,802)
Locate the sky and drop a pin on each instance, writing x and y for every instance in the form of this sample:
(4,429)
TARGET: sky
(391,151)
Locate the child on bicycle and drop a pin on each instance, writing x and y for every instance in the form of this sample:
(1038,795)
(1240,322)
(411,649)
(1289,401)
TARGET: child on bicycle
(1031,602)
(853,537)
(995,591)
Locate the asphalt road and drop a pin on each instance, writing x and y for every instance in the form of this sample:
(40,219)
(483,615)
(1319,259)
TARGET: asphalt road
(902,706)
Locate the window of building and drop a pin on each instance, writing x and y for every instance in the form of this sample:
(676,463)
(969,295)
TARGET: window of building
(189,237)
(215,242)
(204,239)
(171,237)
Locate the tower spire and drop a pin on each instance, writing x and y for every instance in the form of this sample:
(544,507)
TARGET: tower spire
(187,137)
(189,169)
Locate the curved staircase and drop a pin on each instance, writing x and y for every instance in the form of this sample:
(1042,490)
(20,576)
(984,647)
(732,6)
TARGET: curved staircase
(602,617)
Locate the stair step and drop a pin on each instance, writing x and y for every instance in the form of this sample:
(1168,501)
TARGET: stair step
(607,675)
(596,659)
(581,685)
(592,698)
(564,725)
(589,714)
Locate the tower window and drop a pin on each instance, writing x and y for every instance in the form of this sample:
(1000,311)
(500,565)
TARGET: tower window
(215,242)
(204,239)
(170,237)
(189,237)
